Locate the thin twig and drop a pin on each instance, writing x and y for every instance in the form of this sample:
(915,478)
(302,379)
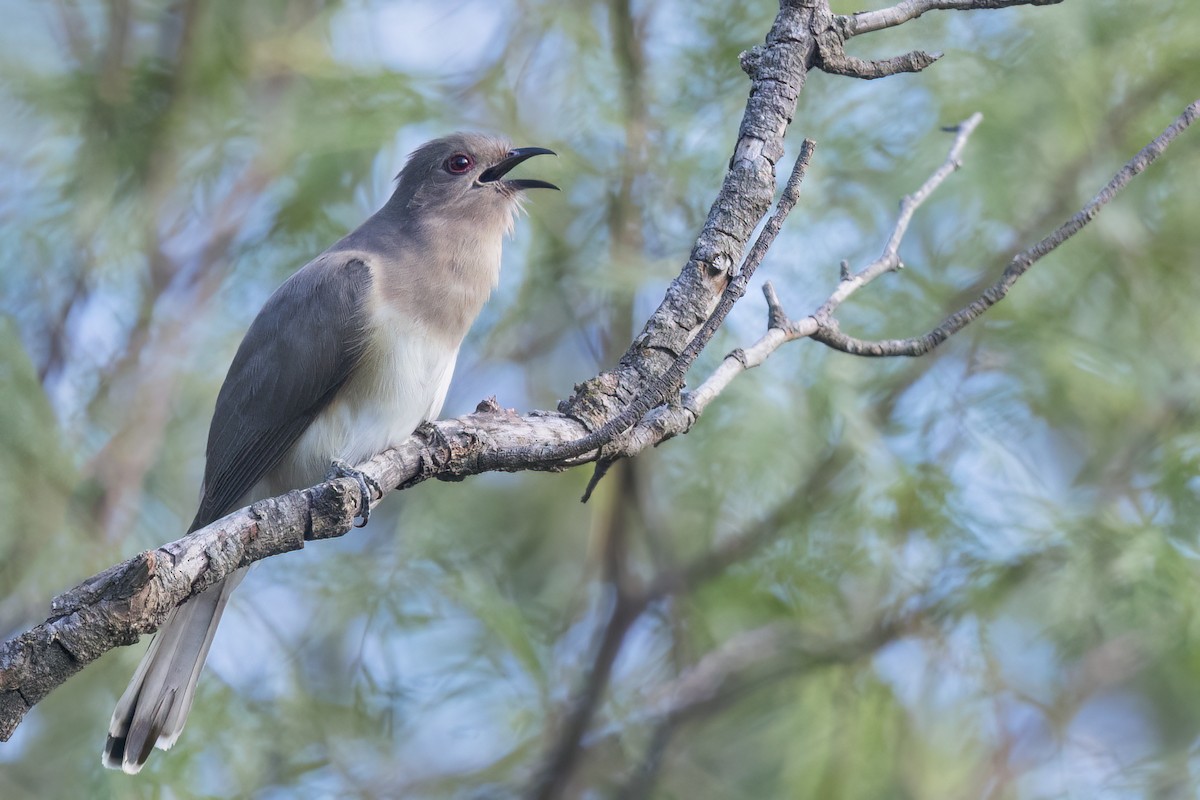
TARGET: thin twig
(781,329)
(889,259)
(839,63)
(828,333)
(867,21)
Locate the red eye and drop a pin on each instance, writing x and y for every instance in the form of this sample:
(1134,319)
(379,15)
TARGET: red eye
(459,163)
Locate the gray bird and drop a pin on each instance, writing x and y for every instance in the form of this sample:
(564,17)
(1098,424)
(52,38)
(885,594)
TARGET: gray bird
(346,359)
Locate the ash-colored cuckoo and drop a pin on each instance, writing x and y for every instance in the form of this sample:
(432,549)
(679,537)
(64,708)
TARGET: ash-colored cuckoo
(347,358)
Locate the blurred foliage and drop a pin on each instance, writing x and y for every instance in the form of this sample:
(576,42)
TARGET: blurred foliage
(1026,499)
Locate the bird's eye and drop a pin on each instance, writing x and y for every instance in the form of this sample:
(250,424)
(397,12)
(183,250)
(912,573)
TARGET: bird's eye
(459,163)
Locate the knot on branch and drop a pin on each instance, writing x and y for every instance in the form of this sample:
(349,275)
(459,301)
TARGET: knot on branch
(594,401)
(713,262)
(750,59)
(489,405)
(449,459)
(776,316)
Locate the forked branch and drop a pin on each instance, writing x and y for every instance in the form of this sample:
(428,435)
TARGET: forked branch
(827,331)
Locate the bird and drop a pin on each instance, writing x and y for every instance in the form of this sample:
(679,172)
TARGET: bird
(346,358)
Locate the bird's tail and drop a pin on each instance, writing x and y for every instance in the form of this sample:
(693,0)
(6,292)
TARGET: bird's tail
(155,705)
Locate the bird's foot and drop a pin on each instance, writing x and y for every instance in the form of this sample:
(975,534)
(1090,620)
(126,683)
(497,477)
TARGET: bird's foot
(340,469)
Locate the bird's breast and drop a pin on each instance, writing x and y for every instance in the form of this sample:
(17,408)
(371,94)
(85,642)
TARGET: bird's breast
(400,382)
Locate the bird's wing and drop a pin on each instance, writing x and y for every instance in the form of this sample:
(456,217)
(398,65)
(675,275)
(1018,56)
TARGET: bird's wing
(299,351)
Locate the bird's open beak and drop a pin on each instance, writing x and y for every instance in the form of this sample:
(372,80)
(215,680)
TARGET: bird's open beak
(514,157)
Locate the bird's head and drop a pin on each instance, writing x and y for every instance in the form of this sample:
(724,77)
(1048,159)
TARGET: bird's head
(464,176)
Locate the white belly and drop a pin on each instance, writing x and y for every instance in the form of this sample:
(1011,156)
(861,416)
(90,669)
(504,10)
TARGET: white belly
(400,383)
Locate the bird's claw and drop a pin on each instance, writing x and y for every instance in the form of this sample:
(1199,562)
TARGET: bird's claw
(340,469)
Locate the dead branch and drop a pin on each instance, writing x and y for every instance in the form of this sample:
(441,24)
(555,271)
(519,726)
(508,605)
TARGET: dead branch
(827,331)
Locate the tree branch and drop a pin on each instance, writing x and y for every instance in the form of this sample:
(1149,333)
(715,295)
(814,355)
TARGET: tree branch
(663,387)
(889,259)
(827,330)
(113,608)
(839,63)
(777,70)
(781,329)
(868,21)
